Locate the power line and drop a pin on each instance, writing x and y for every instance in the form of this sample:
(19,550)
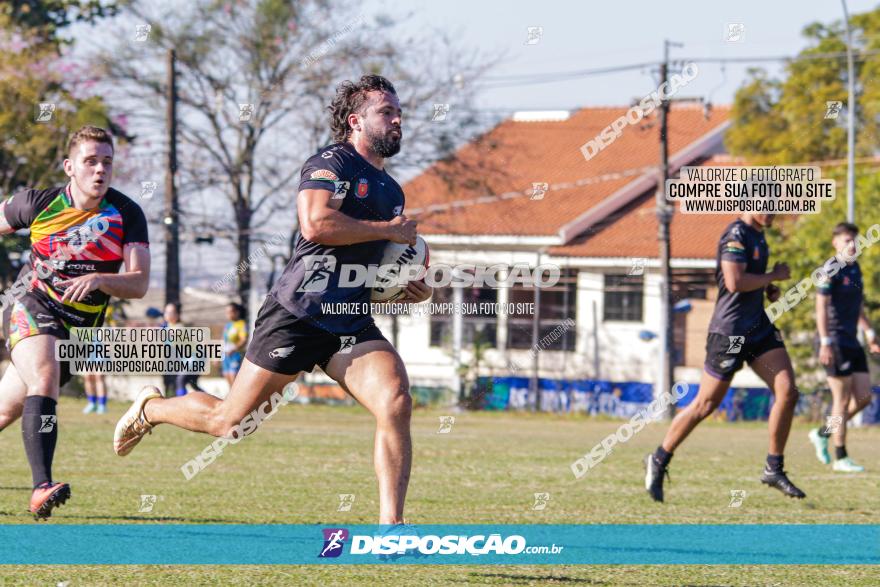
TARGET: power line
(560,76)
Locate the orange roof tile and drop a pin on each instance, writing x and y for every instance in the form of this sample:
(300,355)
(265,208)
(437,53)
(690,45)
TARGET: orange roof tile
(632,232)
(513,155)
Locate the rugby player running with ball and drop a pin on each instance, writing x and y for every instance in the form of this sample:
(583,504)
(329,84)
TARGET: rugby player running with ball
(349,208)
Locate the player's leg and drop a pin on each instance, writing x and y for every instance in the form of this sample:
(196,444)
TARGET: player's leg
(841,390)
(13,392)
(230,366)
(838,374)
(709,396)
(774,367)
(34,360)
(840,385)
(376,377)
(861,397)
(180,384)
(719,368)
(199,412)
(91,396)
(100,393)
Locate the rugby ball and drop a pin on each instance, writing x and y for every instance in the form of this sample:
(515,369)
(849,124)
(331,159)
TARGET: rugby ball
(397,256)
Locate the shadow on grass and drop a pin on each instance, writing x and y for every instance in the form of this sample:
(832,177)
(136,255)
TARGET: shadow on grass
(188,521)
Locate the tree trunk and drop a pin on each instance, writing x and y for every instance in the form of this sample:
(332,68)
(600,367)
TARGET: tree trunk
(243,224)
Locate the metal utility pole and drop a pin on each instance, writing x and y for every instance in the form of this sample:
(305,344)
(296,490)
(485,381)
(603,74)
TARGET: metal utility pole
(172,226)
(664,219)
(534,383)
(850,123)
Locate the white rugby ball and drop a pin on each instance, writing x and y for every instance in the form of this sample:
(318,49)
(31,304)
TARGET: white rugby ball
(396,256)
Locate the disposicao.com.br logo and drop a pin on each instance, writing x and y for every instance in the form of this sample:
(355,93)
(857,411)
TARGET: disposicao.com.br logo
(432,544)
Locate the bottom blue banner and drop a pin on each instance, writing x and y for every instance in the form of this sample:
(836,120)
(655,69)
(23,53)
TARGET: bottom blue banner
(180,544)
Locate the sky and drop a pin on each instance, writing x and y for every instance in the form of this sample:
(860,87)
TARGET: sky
(597,34)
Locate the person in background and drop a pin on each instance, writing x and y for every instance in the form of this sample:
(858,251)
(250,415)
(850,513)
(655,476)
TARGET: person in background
(171,319)
(235,338)
(96,390)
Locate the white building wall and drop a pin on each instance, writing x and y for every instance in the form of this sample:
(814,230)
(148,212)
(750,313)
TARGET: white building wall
(621,354)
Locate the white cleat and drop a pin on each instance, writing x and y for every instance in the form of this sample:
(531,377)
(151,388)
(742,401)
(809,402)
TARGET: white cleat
(133,425)
(820,443)
(847,466)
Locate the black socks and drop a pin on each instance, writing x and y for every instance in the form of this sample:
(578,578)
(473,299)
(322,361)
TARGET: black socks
(840,453)
(662,457)
(774,462)
(39,430)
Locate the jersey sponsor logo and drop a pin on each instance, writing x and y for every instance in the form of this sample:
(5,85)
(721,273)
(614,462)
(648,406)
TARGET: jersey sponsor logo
(398,210)
(81,266)
(326,154)
(323,174)
(756,254)
(340,189)
(363,188)
(318,269)
(282,352)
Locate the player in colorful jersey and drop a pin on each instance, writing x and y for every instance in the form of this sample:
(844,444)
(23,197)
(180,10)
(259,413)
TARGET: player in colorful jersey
(81,234)
(839,313)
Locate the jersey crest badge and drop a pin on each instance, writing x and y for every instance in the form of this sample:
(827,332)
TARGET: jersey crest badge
(363,188)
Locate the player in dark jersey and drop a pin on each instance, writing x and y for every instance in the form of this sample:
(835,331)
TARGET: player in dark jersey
(349,208)
(839,313)
(80,236)
(739,332)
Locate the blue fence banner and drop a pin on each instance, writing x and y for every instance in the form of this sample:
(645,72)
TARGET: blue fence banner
(625,544)
(624,399)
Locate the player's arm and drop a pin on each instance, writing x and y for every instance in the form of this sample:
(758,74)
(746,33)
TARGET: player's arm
(823,301)
(5,228)
(132,283)
(736,279)
(870,335)
(321,222)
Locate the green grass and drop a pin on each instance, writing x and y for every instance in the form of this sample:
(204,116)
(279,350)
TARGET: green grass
(485,471)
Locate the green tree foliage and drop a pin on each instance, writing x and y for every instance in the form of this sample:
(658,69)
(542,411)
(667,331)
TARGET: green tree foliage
(31,150)
(45,18)
(783,122)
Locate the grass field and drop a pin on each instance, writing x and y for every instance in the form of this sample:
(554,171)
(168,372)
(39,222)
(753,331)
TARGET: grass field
(486,470)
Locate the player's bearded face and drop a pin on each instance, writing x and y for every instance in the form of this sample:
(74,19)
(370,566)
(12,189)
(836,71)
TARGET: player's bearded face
(385,142)
(91,168)
(382,126)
